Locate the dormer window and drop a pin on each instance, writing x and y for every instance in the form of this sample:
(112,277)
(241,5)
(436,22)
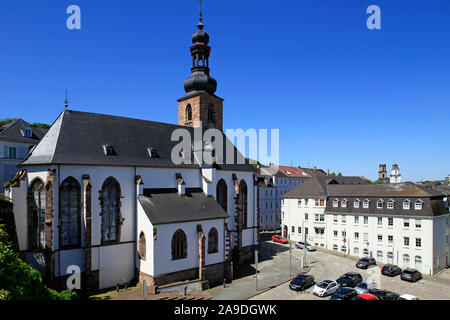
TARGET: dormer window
(407,204)
(356,203)
(335,203)
(152,153)
(109,150)
(366,204)
(27,132)
(344,203)
(418,205)
(380,204)
(390,204)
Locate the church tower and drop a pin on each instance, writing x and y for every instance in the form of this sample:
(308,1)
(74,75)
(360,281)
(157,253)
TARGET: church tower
(396,177)
(200,107)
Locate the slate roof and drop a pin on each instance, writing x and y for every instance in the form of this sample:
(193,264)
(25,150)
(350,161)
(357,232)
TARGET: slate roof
(318,186)
(164,206)
(382,190)
(316,173)
(79,138)
(13,132)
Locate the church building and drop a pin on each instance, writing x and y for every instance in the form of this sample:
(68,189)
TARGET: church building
(101,193)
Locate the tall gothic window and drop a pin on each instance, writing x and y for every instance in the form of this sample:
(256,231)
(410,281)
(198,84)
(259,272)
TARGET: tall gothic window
(179,245)
(36,207)
(70,214)
(221,194)
(188,114)
(243,202)
(142,246)
(110,204)
(213,241)
(211,115)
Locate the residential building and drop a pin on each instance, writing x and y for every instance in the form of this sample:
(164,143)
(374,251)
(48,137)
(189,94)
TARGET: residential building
(16,140)
(280,180)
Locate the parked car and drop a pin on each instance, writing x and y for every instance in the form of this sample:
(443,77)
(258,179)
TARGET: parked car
(301,245)
(365,286)
(365,262)
(391,270)
(350,279)
(384,294)
(366,296)
(344,293)
(301,282)
(408,297)
(411,275)
(325,288)
(279,239)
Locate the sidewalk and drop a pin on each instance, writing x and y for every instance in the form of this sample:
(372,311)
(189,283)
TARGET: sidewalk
(273,271)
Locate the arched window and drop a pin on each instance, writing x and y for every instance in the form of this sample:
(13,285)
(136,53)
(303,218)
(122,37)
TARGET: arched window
(36,205)
(142,246)
(70,213)
(110,206)
(188,113)
(243,202)
(213,241)
(380,255)
(366,252)
(211,115)
(390,257)
(406,260)
(221,194)
(179,245)
(418,262)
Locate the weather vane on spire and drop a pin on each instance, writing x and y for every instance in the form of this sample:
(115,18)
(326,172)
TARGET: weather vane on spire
(66,102)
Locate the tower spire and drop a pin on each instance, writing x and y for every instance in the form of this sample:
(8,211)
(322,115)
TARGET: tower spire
(66,101)
(200,20)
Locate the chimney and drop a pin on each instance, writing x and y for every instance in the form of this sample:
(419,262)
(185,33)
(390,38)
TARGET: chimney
(181,184)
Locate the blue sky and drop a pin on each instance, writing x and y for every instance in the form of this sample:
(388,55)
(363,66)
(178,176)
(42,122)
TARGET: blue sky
(345,98)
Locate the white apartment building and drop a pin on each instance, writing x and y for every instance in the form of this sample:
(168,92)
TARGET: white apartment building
(404,224)
(279,181)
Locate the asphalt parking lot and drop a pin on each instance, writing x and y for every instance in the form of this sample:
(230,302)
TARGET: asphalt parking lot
(327,266)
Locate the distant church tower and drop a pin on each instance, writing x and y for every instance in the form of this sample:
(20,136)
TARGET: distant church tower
(396,177)
(382,173)
(200,105)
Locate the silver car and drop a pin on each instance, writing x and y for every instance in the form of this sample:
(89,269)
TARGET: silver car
(301,245)
(365,286)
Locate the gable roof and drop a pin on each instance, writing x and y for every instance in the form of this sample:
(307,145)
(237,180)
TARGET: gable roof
(14,131)
(285,171)
(163,206)
(80,137)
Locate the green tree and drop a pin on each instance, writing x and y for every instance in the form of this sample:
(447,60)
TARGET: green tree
(6,121)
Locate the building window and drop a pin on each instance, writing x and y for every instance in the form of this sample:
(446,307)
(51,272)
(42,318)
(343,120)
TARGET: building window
(390,257)
(418,205)
(390,221)
(335,233)
(306,216)
(142,246)
(213,241)
(335,247)
(365,236)
(418,242)
(319,217)
(344,203)
(335,219)
(306,202)
(366,251)
(356,235)
(406,260)
(316,202)
(418,262)
(179,245)
(110,206)
(36,205)
(380,255)
(390,239)
(299,230)
(366,220)
(27,132)
(356,204)
(380,221)
(12,153)
(406,241)
(344,249)
(243,202)
(344,219)
(188,113)
(406,223)
(221,194)
(356,251)
(322,202)
(380,204)
(418,224)
(299,203)
(366,204)
(356,219)
(344,234)
(406,204)
(293,229)
(335,203)
(390,204)
(70,213)
(211,123)
(380,238)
